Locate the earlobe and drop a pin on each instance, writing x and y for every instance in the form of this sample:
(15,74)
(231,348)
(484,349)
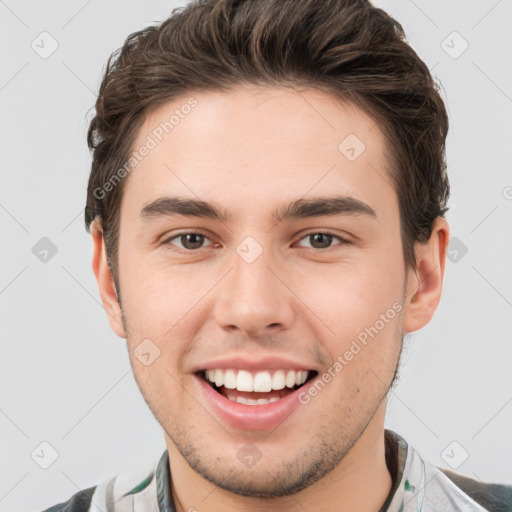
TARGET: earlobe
(105,281)
(425,282)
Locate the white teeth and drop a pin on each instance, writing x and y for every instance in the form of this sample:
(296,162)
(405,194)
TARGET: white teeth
(219,378)
(244,381)
(230,379)
(290,379)
(260,382)
(278,381)
(250,401)
(246,401)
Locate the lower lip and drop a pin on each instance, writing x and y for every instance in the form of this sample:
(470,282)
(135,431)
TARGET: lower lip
(252,417)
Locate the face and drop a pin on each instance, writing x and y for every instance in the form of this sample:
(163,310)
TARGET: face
(285,265)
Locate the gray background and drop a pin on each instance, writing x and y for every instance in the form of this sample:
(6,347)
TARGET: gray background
(66,378)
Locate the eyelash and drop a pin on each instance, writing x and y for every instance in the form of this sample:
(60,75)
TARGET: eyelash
(343,241)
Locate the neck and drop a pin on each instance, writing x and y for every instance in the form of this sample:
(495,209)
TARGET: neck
(344,489)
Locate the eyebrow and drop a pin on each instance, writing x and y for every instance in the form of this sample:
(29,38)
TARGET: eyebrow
(299,209)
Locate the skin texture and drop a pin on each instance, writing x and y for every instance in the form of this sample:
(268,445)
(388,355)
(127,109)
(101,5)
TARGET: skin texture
(252,150)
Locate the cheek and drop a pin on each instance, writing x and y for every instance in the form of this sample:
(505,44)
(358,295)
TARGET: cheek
(161,387)
(361,305)
(162,304)
(153,295)
(350,295)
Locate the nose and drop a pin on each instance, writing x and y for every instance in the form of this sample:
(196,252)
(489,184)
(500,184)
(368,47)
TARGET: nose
(255,298)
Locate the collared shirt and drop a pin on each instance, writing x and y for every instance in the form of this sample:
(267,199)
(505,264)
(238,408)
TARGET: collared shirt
(417,487)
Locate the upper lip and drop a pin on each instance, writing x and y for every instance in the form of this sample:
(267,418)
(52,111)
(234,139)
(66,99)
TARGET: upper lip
(250,362)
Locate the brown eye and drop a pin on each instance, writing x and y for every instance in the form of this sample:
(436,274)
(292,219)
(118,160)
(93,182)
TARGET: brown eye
(192,240)
(188,241)
(323,240)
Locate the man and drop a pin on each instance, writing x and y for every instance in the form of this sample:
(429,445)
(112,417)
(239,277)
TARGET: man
(266,204)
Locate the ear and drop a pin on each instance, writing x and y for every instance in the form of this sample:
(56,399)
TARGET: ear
(425,282)
(105,281)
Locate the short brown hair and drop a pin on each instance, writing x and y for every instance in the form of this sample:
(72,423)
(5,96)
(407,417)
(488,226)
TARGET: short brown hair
(348,48)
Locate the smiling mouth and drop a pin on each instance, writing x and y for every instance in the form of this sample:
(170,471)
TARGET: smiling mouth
(255,388)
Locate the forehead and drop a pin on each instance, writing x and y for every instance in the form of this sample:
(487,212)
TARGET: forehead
(252,148)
